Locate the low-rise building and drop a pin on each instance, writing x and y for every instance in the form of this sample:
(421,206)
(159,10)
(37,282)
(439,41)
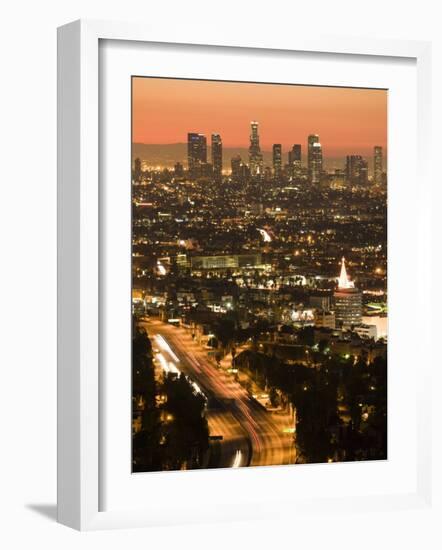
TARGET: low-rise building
(366,331)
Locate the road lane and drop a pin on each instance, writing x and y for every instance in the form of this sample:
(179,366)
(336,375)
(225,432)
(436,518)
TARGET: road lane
(244,424)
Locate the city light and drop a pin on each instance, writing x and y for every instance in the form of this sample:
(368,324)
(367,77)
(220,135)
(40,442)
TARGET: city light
(259,275)
(161,269)
(161,341)
(343,281)
(265,235)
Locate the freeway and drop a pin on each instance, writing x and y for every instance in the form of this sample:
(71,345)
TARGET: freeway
(251,435)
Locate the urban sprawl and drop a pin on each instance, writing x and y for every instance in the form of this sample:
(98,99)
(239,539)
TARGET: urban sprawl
(259,305)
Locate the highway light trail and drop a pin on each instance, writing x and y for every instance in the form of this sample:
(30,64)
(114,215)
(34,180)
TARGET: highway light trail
(161,341)
(161,269)
(239,394)
(244,425)
(169,367)
(237,460)
(265,236)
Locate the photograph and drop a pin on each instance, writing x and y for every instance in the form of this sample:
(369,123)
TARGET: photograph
(259,274)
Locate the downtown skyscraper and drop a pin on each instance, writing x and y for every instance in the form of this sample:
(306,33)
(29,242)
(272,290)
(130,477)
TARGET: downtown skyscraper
(255,155)
(295,164)
(196,154)
(277,160)
(217,157)
(314,159)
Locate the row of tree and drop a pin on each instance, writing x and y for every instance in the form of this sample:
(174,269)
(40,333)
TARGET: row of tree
(341,406)
(172,432)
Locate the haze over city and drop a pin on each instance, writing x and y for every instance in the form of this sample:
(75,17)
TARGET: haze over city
(349,120)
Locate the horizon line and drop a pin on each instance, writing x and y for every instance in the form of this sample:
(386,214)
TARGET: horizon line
(263,148)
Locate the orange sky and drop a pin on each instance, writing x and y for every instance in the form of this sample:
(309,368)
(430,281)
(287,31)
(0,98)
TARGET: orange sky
(348,121)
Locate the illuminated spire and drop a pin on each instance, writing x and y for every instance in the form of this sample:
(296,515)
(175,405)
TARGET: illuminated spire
(343,281)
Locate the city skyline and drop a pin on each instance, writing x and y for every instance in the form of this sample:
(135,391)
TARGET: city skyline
(259,276)
(350,121)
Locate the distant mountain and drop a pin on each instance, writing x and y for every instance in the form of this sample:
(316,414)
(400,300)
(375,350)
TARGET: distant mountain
(159,154)
(168,154)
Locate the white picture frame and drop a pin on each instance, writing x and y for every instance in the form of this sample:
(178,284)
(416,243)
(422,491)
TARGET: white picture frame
(79,265)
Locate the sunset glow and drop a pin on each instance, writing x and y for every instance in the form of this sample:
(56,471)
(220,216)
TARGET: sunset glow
(349,120)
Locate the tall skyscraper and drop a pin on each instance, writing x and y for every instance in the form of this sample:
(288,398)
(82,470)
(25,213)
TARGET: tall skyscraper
(255,155)
(378,165)
(196,154)
(217,157)
(347,301)
(356,170)
(277,160)
(314,159)
(295,160)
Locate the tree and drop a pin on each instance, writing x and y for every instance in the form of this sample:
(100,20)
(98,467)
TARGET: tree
(274,397)
(186,429)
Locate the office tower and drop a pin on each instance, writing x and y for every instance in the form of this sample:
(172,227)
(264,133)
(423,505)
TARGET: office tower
(378,165)
(347,301)
(277,160)
(295,161)
(314,159)
(255,155)
(196,154)
(311,140)
(217,157)
(356,170)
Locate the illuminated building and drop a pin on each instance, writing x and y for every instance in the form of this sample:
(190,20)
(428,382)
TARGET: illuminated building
(366,331)
(338,179)
(277,160)
(295,160)
(182,261)
(380,322)
(255,155)
(217,156)
(324,319)
(347,301)
(378,165)
(196,154)
(226,261)
(356,170)
(314,159)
